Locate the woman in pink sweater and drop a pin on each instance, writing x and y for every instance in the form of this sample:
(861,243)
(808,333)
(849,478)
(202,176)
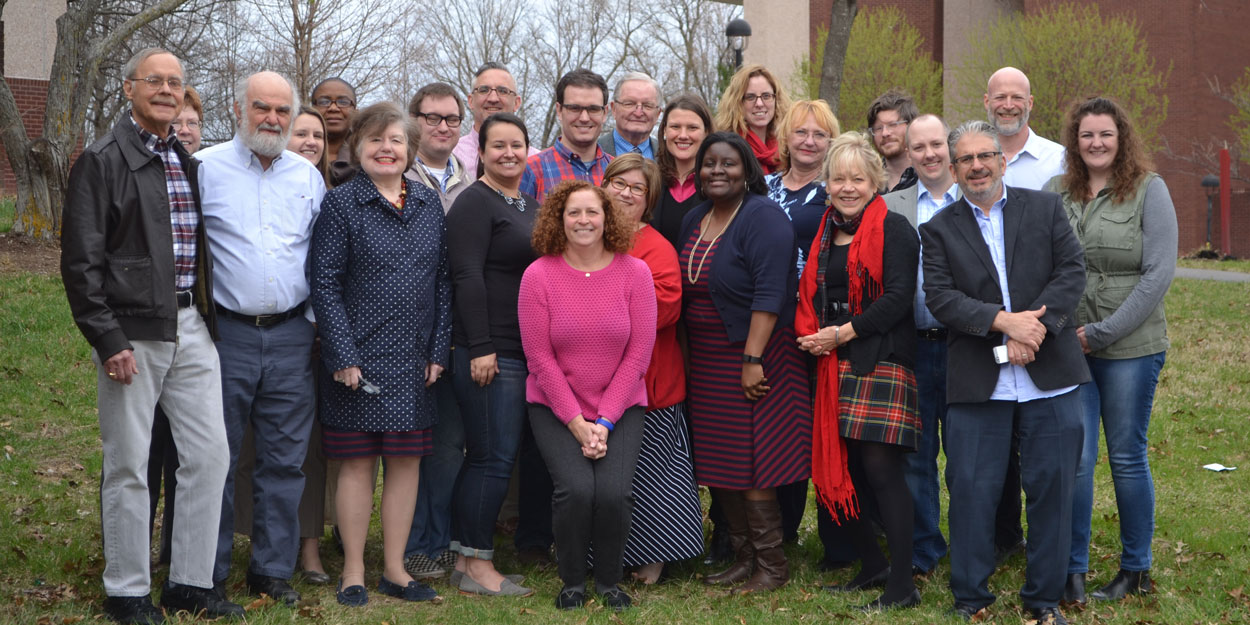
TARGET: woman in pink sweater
(587,314)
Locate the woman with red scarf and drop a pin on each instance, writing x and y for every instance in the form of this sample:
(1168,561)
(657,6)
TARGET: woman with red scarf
(855,315)
(753,104)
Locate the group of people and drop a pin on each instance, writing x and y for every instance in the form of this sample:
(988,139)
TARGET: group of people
(745,301)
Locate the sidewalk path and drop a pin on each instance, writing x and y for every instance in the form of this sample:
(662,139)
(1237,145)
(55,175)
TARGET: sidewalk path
(1212,274)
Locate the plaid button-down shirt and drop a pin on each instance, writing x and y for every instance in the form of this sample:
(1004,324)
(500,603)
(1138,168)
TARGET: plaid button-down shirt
(182,215)
(558,163)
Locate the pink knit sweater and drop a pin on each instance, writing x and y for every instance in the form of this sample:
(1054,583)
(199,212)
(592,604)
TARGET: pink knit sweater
(587,336)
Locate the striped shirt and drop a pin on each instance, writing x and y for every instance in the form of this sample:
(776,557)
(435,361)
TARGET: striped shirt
(183,218)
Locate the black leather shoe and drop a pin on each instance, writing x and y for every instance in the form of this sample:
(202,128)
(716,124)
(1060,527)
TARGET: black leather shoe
(1048,616)
(719,549)
(133,610)
(880,603)
(616,599)
(275,587)
(1001,554)
(1125,583)
(965,611)
(316,578)
(1074,589)
(876,581)
(570,598)
(198,601)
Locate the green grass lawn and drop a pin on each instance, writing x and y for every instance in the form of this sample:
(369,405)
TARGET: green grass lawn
(8,212)
(50,560)
(1240,265)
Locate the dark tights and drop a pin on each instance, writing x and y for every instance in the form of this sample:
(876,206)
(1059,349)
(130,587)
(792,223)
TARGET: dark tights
(879,467)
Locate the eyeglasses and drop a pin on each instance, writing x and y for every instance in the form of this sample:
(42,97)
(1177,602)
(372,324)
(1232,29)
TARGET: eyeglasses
(752,97)
(967,159)
(817,135)
(577,109)
(189,125)
(630,105)
(877,130)
(484,90)
(434,119)
(155,82)
(639,190)
(343,102)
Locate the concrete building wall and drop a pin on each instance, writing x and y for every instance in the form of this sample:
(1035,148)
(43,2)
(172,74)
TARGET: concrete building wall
(30,37)
(779,35)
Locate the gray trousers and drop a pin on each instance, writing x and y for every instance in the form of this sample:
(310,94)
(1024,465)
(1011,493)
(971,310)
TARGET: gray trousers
(184,378)
(593,500)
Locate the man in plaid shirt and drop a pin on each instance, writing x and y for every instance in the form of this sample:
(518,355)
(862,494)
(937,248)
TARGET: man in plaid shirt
(581,105)
(139,282)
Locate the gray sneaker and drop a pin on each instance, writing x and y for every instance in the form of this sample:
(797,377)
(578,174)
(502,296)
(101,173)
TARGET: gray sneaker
(420,566)
(507,588)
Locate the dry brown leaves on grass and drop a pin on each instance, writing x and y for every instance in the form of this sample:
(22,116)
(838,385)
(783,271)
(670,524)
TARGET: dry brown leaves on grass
(20,253)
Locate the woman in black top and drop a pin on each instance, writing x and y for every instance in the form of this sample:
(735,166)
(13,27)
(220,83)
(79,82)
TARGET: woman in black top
(684,125)
(855,315)
(488,238)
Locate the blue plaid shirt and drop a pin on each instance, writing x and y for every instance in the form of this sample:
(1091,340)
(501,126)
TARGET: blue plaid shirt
(556,164)
(183,218)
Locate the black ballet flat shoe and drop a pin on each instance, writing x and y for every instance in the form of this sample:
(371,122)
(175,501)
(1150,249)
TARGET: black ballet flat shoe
(879,604)
(1125,583)
(876,581)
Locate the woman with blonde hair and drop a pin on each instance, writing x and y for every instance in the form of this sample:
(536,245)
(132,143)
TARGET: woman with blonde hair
(752,105)
(798,186)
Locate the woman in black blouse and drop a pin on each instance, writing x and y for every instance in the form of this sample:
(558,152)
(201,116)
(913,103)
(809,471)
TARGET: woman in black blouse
(382,294)
(855,315)
(488,233)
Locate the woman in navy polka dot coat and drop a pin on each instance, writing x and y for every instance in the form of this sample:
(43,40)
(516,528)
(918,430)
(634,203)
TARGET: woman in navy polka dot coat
(382,295)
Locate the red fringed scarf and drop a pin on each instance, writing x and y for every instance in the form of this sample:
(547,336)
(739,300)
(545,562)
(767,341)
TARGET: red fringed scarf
(863,267)
(765,153)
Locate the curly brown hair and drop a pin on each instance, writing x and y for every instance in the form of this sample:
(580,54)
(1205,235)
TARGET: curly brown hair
(1127,169)
(618,236)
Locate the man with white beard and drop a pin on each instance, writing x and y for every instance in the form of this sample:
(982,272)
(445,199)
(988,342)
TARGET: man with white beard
(1031,158)
(260,203)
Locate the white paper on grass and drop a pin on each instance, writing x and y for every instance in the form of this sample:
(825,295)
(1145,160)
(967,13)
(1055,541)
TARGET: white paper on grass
(1217,467)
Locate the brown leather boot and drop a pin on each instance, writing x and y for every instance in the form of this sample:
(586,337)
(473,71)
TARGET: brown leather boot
(771,569)
(731,503)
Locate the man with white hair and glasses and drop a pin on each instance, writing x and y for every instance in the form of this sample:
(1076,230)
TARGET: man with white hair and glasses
(635,110)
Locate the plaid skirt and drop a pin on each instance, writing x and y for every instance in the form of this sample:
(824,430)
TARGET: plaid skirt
(880,406)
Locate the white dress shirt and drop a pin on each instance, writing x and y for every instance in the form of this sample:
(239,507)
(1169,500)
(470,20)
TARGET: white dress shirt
(1014,382)
(1037,162)
(927,207)
(259,224)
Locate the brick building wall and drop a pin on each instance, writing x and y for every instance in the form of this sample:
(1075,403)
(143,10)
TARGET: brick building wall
(925,15)
(32,99)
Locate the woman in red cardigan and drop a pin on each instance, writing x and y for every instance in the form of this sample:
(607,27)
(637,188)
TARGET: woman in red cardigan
(667,521)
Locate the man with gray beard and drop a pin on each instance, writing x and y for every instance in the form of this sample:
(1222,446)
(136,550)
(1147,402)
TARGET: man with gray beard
(260,202)
(1031,158)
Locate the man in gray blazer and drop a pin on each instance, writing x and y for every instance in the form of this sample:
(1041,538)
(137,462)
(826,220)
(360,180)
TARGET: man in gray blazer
(1003,272)
(635,109)
(929,157)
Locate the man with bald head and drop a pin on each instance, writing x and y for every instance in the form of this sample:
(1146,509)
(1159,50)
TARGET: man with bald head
(1031,158)
(494,90)
(139,282)
(260,203)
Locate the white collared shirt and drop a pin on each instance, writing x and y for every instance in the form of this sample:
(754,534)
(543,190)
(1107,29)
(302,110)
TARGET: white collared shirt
(1014,382)
(259,224)
(1037,162)
(927,207)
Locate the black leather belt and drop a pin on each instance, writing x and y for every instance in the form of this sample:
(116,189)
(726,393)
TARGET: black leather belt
(184,298)
(263,321)
(932,334)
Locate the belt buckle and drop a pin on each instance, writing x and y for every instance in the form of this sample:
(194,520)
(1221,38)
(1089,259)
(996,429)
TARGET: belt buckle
(190,298)
(262,321)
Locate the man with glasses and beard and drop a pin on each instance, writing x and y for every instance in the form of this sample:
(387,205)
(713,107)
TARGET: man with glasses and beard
(494,91)
(1031,158)
(260,202)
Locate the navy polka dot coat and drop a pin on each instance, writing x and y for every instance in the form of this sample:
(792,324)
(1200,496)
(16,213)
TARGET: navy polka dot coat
(382,295)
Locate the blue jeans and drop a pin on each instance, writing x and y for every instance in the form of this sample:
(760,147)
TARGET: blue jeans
(1122,393)
(928,544)
(431,521)
(492,418)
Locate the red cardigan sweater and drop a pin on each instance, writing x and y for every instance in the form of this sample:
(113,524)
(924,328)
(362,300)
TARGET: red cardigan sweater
(666,375)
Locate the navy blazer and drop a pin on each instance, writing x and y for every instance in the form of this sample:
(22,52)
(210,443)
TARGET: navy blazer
(1045,266)
(755,265)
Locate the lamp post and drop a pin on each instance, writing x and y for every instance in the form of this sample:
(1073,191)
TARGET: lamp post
(739,33)
(1210,184)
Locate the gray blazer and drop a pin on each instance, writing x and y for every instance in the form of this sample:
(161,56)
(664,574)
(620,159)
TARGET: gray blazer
(609,144)
(904,201)
(1045,265)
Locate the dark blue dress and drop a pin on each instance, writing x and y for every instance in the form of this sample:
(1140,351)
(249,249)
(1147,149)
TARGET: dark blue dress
(381,291)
